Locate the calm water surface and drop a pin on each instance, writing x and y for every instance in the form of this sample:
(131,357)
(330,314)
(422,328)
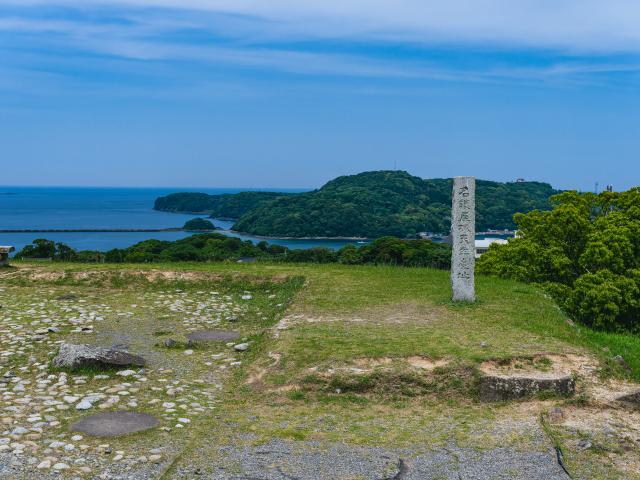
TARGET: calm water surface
(100,208)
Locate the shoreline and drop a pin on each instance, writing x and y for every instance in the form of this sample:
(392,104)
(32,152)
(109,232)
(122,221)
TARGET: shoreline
(246,234)
(105,230)
(265,237)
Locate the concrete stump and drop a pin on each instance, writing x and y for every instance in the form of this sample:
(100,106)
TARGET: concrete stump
(501,388)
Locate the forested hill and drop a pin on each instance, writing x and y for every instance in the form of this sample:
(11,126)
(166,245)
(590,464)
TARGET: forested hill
(228,205)
(374,204)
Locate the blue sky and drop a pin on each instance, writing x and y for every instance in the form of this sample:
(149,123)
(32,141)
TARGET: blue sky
(291,93)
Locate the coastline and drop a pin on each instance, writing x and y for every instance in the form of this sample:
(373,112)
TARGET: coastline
(265,237)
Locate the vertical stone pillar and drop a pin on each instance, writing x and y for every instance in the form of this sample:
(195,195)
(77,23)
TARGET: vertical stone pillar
(463,236)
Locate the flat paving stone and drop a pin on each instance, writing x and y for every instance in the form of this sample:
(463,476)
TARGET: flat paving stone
(213,336)
(112,424)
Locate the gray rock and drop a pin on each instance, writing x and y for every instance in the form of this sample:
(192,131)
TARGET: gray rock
(241,347)
(632,398)
(556,415)
(584,444)
(619,359)
(169,342)
(84,405)
(500,388)
(79,356)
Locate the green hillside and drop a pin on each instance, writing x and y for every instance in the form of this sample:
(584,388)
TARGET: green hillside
(370,204)
(228,205)
(374,204)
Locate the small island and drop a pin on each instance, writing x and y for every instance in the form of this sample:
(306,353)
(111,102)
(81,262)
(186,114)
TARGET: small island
(198,225)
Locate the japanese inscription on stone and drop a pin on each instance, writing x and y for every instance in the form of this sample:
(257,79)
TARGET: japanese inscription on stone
(463,235)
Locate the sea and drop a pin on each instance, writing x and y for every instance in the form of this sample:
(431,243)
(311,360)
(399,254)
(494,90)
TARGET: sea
(59,208)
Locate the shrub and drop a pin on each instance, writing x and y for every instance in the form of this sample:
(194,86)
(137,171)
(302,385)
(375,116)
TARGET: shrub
(585,252)
(216,247)
(197,224)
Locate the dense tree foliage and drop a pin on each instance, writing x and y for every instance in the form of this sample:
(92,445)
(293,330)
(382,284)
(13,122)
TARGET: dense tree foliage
(216,247)
(40,248)
(373,204)
(197,224)
(44,249)
(228,205)
(585,252)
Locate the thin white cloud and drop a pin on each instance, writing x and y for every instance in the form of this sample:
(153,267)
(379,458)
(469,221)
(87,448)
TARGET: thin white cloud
(575,25)
(109,29)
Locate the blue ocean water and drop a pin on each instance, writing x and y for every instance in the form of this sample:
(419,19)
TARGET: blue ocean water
(105,208)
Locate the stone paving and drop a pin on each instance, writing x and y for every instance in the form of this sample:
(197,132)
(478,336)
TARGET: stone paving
(38,402)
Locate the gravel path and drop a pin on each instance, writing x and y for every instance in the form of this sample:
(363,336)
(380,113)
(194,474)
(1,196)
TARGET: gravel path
(289,460)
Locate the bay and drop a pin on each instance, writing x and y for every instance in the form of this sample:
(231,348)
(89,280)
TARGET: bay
(108,208)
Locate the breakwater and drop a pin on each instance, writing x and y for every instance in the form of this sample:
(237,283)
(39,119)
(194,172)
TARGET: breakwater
(97,230)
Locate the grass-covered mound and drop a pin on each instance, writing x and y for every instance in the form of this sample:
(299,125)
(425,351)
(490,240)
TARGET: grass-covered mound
(198,224)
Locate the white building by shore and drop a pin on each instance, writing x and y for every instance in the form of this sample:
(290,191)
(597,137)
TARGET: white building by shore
(483,245)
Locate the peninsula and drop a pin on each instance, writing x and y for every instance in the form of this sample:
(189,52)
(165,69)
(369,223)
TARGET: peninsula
(366,205)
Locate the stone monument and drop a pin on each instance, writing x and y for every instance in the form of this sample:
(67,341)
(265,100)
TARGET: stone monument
(463,236)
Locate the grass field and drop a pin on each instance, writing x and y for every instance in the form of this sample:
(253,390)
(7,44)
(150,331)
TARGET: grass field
(333,355)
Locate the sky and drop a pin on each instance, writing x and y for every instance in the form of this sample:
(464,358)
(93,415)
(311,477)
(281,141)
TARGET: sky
(292,93)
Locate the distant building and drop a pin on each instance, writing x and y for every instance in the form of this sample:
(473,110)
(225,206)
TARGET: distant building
(246,260)
(483,245)
(520,180)
(4,255)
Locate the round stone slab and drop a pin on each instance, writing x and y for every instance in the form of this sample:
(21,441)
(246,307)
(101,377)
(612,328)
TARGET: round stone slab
(113,424)
(213,336)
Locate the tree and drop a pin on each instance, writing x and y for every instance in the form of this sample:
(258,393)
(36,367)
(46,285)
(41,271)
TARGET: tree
(64,252)
(585,252)
(40,248)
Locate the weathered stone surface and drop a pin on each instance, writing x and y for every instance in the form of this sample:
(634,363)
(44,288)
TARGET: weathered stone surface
(112,424)
(79,356)
(633,398)
(213,336)
(67,296)
(463,234)
(499,388)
